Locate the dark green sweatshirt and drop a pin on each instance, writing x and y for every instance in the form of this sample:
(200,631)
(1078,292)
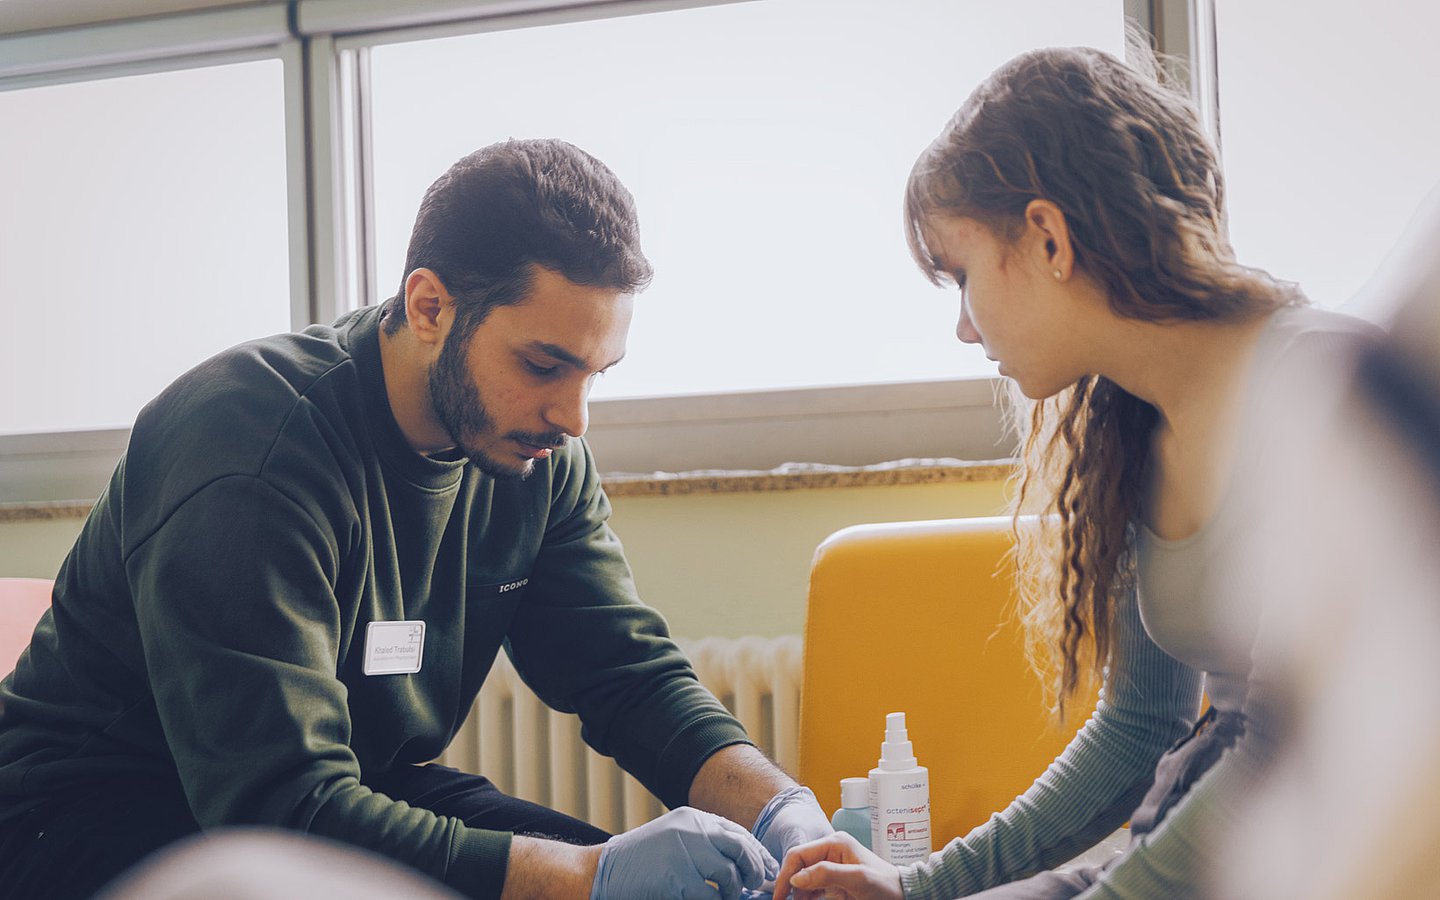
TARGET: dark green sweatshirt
(210,621)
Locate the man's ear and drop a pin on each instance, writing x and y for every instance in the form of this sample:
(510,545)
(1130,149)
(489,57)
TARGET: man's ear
(1050,233)
(427,306)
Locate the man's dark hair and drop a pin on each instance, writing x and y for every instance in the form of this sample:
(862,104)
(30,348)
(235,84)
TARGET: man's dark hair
(507,206)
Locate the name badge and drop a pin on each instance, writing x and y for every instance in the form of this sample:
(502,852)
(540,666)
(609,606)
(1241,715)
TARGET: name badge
(394,648)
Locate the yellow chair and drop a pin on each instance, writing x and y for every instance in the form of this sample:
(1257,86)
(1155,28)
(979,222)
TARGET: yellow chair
(22,602)
(915,617)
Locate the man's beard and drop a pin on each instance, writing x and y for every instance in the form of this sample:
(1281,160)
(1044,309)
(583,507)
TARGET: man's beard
(457,405)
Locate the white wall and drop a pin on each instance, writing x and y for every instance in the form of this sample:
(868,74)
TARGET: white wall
(35,548)
(735,564)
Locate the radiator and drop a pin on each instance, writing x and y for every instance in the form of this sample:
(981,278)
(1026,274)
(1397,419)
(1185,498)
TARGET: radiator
(531,751)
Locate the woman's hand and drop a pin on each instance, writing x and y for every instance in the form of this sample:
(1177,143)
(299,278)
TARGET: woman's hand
(836,867)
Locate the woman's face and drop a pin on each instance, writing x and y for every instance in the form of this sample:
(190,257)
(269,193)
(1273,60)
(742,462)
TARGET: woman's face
(1008,302)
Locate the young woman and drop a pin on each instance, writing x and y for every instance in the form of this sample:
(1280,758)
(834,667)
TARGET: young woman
(1078,207)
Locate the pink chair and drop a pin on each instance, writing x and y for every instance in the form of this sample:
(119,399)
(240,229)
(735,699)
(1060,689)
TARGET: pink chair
(22,602)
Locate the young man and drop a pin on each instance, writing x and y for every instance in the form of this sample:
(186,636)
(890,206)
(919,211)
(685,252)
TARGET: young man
(288,596)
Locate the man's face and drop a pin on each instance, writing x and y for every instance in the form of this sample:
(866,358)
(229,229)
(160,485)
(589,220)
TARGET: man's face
(518,387)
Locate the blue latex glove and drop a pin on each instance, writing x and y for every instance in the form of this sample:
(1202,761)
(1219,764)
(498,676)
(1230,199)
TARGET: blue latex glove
(792,817)
(685,854)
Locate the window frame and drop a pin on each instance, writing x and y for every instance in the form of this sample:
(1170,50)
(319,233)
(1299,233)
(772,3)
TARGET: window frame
(324,47)
(176,43)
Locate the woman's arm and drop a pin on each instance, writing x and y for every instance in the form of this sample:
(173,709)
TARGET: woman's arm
(1149,700)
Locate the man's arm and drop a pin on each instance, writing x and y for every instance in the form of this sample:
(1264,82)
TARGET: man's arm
(584,642)
(541,869)
(739,783)
(736,782)
(684,853)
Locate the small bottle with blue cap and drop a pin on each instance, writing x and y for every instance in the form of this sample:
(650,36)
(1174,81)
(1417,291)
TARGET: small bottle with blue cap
(853,816)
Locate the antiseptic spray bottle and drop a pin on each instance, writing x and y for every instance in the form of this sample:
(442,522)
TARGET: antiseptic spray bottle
(899,799)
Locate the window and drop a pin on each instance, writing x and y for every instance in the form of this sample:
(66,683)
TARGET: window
(1329,134)
(144,228)
(185,178)
(767,145)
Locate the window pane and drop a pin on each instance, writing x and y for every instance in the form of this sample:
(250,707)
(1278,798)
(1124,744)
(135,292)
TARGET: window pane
(143,228)
(1329,126)
(767,145)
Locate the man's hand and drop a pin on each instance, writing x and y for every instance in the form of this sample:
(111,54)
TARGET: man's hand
(684,854)
(836,868)
(792,817)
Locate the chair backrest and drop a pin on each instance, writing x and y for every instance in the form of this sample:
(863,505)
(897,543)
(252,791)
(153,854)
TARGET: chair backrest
(915,617)
(22,602)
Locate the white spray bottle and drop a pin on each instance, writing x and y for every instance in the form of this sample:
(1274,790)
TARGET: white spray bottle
(899,799)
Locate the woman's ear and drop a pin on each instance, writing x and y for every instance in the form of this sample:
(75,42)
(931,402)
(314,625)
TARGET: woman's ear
(1050,233)
(425,303)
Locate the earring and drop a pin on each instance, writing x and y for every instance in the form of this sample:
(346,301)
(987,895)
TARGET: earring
(1058,276)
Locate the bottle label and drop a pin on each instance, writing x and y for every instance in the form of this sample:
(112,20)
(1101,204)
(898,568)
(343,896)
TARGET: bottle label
(900,821)
(907,839)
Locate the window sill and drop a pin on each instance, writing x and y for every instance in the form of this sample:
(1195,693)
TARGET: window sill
(40,510)
(806,476)
(743,435)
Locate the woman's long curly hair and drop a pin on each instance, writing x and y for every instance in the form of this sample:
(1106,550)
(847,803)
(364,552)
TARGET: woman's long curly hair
(1128,163)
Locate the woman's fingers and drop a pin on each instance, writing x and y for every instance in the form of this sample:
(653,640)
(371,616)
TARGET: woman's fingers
(831,847)
(836,867)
